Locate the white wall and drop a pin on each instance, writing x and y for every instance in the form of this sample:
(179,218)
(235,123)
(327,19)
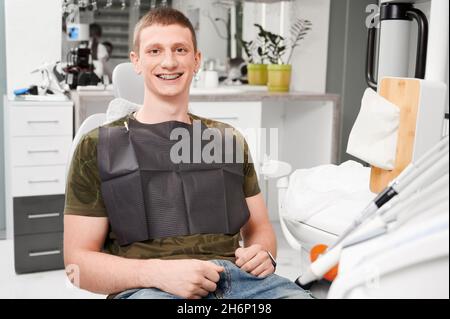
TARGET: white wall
(33,37)
(310,58)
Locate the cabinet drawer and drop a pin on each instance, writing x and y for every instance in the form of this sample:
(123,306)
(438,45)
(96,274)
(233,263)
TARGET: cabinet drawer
(38,252)
(244,116)
(38,180)
(41,121)
(238,114)
(38,214)
(32,151)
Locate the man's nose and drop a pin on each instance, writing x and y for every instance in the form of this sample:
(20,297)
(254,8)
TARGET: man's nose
(169,61)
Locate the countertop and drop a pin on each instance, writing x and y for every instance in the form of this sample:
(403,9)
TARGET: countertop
(236,93)
(263,96)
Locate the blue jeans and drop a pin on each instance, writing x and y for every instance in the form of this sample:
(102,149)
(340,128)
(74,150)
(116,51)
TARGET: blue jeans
(234,283)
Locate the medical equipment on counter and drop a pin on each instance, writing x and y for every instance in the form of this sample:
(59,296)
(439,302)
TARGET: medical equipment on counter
(50,89)
(32,90)
(415,178)
(80,68)
(50,78)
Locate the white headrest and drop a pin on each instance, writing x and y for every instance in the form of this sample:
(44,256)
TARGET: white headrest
(127,83)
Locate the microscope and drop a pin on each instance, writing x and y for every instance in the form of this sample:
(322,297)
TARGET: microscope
(80,68)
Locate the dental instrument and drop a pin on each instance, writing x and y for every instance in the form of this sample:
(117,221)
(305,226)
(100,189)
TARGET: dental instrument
(400,211)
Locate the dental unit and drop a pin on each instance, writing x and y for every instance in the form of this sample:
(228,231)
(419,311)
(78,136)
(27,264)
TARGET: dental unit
(416,182)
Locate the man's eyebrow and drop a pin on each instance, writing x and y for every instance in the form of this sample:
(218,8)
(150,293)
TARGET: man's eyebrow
(152,45)
(176,44)
(181,43)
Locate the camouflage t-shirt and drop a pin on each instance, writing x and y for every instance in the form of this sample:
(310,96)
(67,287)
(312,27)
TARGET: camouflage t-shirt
(84,198)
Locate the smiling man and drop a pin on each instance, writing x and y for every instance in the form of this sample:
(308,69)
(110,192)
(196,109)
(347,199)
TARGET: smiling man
(138,225)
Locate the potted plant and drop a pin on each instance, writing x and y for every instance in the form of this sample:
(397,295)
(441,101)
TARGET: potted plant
(279,72)
(256,68)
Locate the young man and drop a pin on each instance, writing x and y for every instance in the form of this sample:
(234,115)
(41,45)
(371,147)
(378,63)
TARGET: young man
(138,225)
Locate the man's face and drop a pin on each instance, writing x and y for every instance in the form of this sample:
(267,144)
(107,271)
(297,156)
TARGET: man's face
(166,59)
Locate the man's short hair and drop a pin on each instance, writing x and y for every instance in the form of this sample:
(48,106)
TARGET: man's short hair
(162,16)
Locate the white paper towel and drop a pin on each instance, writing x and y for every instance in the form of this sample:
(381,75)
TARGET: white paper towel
(373,138)
(118,108)
(328,194)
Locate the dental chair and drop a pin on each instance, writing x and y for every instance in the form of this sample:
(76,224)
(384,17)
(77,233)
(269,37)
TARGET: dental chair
(400,252)
(406,261)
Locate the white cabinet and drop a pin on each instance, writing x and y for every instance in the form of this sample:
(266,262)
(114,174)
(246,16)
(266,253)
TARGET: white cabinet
(38,137)
(244,116)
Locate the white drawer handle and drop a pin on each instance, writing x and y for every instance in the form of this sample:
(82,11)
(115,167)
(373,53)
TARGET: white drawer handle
(42,151)
(44,253)
(37,216)
(43,122)
(44,181)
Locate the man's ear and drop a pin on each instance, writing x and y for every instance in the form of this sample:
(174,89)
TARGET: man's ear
(198,60)
(134,57)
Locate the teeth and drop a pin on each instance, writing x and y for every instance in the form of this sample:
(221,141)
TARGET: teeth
(169,76)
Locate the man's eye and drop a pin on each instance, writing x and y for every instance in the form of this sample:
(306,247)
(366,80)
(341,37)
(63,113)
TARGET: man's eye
(181,50)
(153,51)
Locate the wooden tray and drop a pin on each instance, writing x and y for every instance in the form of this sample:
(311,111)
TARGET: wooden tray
(404,93)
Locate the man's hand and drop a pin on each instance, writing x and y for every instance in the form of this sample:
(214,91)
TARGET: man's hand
(255,260)
(190,279)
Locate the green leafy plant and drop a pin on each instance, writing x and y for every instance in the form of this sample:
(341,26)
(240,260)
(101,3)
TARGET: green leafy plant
(272,46)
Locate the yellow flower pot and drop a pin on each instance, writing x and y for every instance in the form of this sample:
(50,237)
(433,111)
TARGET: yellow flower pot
(279,77)
(257,74)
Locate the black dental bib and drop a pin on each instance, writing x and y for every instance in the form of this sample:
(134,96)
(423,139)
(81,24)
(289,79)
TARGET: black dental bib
(149,196)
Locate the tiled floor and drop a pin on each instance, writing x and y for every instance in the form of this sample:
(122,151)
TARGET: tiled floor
(53,284)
